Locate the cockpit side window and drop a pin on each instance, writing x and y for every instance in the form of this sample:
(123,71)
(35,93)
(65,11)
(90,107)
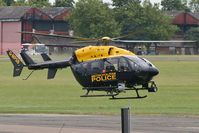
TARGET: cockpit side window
(137,62)
(132,64)
(111,64)
(123,65)
(145,60)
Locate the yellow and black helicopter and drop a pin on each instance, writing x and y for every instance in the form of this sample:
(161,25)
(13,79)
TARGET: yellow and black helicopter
(98,68)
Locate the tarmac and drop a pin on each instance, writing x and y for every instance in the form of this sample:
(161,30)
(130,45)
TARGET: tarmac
(54,123)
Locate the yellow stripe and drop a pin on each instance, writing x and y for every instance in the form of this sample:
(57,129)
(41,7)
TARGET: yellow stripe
(99,52)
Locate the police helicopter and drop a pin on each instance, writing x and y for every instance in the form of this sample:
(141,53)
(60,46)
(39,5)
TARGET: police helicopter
(97,68)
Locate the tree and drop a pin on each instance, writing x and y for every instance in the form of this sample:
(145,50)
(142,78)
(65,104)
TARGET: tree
(157,25)
(64,3)
(129,17)
(123,3)
(8,2)
(2,3)
(148,17)
(192,34)
(93,18)
(194,5)
(170,5)
(20,3)
(39,3)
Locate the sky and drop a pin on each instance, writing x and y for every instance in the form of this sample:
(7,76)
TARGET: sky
(152,1)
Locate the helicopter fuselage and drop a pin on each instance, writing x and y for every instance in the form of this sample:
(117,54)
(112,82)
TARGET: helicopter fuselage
(127,69)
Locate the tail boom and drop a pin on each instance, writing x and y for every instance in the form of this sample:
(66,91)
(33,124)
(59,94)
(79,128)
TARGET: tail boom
(52,66)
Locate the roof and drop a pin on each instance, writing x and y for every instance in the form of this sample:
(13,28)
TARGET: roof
(195,15)
(174,13)
(54,11)
(13,13)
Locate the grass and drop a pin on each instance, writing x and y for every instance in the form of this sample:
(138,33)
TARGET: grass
(171,56)
(178,84)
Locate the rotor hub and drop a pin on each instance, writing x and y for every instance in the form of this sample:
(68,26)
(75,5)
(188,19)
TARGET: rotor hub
(106,38)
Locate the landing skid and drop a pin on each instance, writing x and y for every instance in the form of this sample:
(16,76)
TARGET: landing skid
(138,96)
(111,92)
(86,95)
(115,98)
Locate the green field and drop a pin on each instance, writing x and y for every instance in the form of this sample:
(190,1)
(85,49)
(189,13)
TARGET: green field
(178,84)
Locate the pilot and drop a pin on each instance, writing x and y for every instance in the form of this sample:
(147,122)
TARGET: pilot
(110,68)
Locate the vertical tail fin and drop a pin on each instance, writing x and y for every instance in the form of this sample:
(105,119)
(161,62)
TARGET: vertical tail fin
(51,71)
(26,58)
(18,65)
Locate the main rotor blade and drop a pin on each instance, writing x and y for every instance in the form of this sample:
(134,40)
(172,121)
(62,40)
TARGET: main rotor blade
(92,41)
(129,34)
(150,41)
(80,42)
(56,35)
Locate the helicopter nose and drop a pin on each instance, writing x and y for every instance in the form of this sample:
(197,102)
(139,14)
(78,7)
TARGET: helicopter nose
(153,71)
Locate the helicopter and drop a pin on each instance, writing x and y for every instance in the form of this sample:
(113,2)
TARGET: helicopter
(103,67)
(97,68)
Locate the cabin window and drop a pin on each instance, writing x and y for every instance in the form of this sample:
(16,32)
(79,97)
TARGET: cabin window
(132,64)
(111,64)
(123,65)
(138,62)
(96,67)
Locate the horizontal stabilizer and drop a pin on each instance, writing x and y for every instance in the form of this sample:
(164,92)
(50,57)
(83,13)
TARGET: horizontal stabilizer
(45,57)
(51,73)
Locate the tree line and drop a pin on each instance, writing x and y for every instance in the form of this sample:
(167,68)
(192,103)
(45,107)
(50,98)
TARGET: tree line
(167,5)
(37,3)
(94,18)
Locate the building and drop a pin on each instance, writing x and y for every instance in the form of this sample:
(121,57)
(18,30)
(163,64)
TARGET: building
(39,20)
(184,21)
(10,24)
